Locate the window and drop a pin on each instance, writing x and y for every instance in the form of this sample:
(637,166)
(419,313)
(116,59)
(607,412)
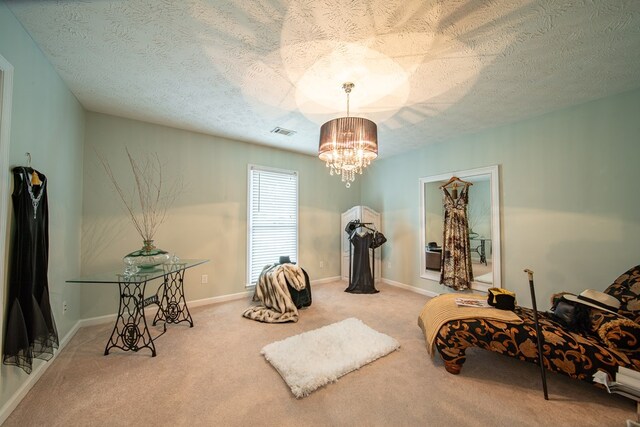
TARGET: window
(273,218)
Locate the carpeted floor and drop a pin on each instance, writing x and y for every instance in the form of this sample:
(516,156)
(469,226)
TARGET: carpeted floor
(213,374)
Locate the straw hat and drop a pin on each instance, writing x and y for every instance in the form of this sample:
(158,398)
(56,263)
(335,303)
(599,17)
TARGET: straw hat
(595,299)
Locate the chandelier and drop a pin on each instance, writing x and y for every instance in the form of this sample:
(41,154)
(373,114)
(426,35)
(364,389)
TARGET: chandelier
(348,144)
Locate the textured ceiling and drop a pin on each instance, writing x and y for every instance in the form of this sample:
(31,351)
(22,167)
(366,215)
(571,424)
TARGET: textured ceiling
(425,71)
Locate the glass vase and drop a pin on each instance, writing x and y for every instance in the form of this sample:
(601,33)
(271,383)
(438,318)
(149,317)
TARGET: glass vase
(148,257)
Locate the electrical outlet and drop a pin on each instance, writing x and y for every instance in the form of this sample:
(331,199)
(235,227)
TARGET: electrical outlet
(321,264)
(389,264)
(64,307)
(204,279)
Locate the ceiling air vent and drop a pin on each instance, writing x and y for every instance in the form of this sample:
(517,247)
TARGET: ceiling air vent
(283,131)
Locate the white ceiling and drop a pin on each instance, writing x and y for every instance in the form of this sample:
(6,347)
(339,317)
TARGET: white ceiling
(424,71)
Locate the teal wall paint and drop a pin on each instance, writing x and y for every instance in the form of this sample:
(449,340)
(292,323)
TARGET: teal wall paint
(569,203)
(48,122)
(209,220)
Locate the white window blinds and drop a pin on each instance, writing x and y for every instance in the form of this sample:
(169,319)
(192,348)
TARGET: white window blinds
(273,218)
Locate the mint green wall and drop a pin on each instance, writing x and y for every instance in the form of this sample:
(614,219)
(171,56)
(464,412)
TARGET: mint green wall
(569,196)
(48,122)
(209,220)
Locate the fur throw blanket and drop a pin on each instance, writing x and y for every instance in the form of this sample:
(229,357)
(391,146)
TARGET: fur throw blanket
(276,305)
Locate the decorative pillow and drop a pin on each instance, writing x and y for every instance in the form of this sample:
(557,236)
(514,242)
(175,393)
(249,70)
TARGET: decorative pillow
(599,318)
(621,334)
(626,288)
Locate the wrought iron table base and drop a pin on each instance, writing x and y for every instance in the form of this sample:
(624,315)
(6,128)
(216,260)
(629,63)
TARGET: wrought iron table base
(480,250)
(131,330)
(130,333)
(172,307)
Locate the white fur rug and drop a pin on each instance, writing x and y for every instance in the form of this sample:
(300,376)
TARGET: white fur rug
(315,358)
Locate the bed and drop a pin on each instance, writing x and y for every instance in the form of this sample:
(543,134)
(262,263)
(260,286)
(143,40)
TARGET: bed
(612,340)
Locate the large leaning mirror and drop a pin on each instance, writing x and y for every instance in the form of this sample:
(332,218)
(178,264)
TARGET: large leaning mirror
(483,212)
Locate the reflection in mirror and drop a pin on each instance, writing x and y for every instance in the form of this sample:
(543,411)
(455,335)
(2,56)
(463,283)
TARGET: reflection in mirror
(483,213)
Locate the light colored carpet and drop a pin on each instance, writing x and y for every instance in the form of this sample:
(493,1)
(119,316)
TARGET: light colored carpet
(312,359)
(213,374)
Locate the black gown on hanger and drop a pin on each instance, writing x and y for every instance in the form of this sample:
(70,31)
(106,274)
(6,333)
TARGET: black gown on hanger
(30,330)
(361,280)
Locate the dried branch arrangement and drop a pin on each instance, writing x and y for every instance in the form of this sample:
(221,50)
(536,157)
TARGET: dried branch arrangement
(478,213)
(150,199)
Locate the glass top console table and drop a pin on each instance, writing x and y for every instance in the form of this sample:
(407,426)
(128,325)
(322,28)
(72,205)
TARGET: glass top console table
(130,332)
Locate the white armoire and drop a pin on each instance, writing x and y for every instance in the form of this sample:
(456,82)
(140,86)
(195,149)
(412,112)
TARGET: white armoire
(364,214)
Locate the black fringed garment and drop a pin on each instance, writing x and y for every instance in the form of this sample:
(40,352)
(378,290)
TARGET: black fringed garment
(30,330)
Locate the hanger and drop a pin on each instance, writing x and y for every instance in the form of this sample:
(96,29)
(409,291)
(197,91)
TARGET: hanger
(372,228)
(359,224)
(454,180)
(366,224)
(35,179)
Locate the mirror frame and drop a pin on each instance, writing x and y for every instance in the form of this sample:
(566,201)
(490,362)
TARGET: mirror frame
(494,186)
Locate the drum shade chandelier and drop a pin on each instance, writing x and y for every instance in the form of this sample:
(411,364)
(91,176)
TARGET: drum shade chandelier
(348,144)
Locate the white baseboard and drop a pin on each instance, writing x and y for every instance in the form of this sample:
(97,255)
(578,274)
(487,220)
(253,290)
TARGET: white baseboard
(410,288)
(99,320)
(151,311)
(312,282)
(325,280)
(32,379)
(222,298)
(397,285)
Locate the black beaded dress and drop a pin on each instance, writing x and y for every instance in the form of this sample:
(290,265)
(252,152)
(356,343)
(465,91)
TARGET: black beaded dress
(30,330)
(361,280)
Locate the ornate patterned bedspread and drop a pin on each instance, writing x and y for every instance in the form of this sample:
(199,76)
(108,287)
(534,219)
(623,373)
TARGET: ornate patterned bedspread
(578,356)
(443,309)
(612,339)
